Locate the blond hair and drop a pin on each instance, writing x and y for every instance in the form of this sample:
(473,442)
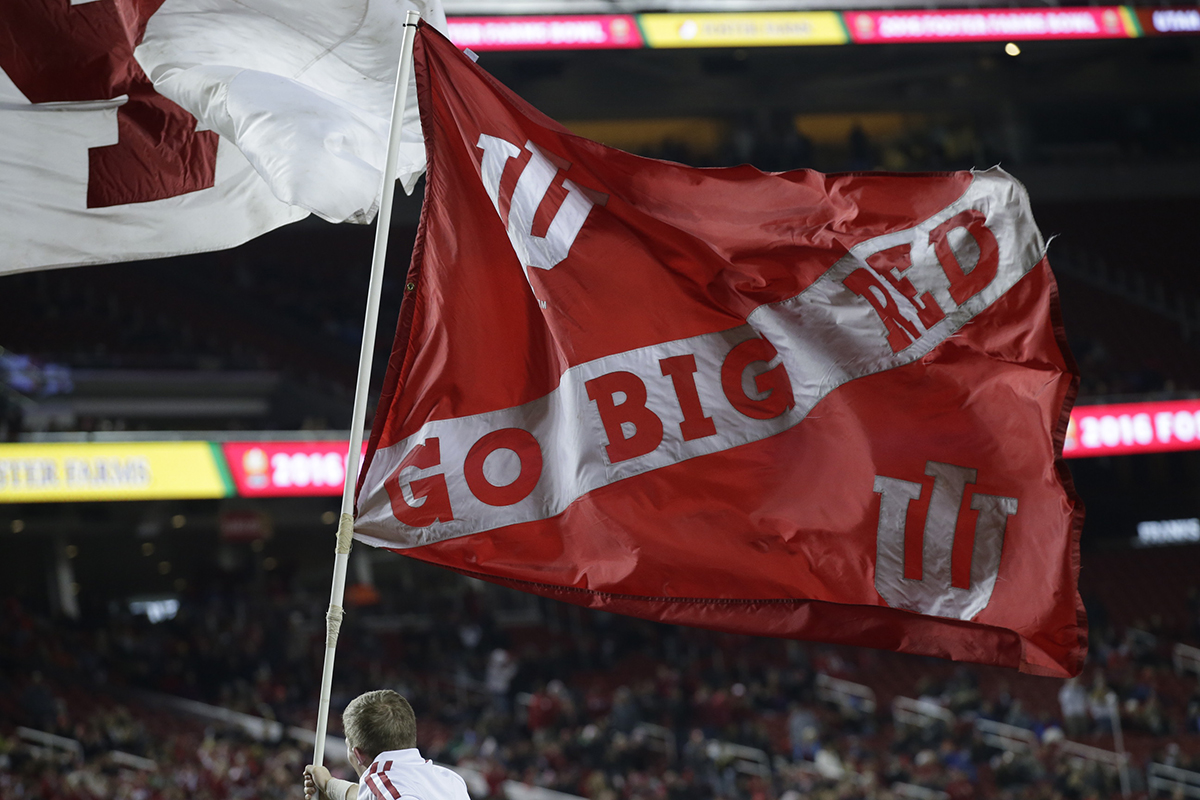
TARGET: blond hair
(379,721)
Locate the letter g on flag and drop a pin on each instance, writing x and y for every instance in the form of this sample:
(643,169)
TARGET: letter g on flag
(543,252)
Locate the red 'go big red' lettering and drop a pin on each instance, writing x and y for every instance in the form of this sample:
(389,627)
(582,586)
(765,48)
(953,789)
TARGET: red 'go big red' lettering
(658,406)
(436,507)
(965,285)
(682,371)
(891,265)
(529,454)
(888,290)
(774,383)
(80,53)
(632,428)
(648,428)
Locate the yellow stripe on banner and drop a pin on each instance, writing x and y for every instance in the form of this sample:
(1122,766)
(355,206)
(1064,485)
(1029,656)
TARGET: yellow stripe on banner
(37,473)
(762,29)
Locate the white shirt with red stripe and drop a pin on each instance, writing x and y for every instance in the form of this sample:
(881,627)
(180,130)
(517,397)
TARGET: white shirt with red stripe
(396,774)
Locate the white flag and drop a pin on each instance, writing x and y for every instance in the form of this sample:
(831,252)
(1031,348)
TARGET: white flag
(110,154)
(311,110)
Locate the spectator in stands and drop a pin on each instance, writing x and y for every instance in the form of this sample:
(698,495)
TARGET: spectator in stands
(39,703)
(860,149)
(544,709)
(1099,705)
(625,712)
(803,730)
(381,743)
(1073,700)
(581,751)
(501,669)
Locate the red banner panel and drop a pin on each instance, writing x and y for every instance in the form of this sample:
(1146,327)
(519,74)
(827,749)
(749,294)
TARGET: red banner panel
(596,32)
(287,469)
(1111,430)
(990,24)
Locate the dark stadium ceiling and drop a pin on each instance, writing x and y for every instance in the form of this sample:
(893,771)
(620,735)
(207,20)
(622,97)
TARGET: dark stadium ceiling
(963,77)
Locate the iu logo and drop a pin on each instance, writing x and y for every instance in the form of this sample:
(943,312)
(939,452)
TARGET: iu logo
(533,185)
(933,594)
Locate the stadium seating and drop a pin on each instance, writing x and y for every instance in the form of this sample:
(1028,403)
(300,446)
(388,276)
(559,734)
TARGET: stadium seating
(612,708)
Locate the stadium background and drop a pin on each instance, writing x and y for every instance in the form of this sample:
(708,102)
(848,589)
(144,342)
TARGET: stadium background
(163,640)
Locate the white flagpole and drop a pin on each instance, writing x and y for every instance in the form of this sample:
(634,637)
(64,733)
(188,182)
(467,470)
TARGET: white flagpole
(345,532)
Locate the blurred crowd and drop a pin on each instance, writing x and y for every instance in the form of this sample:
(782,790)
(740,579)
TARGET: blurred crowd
(1104,376)
(776,140)
(287,307)
(131,751)
(584,703)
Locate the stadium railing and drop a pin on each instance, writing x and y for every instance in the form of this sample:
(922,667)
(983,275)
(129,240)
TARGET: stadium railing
(1186,659)
(130,760)
(921,713)
(846,694)
(657,738)
(899,788)
(1089,753)
(1006,737)
(915,792)
(841,772)
(335,746)
(264,730)
(1178,782)
(1016,739)
(747,760)
(67,751)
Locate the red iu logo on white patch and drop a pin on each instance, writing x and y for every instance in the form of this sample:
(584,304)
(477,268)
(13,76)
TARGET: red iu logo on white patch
(933,593)
(533,185)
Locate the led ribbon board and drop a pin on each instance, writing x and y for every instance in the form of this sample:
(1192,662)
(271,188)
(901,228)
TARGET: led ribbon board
(36,473)
(766,29)
(592,32)
(798,28)
(287,469)
(991,24)
(1154,427)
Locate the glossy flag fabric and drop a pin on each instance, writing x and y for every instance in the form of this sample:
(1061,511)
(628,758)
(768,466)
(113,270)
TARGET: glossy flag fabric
(303,87)
(133,129)
(817,406)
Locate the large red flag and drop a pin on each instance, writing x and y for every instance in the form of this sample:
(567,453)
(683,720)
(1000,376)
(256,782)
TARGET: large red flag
(818,406)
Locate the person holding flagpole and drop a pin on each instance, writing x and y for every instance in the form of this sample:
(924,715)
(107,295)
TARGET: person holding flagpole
(381,744)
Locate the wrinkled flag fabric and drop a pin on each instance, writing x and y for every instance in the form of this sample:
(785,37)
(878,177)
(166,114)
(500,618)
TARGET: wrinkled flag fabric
(304,88)
(826,407)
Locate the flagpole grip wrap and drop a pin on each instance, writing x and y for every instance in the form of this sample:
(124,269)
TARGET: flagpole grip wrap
(345,533)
